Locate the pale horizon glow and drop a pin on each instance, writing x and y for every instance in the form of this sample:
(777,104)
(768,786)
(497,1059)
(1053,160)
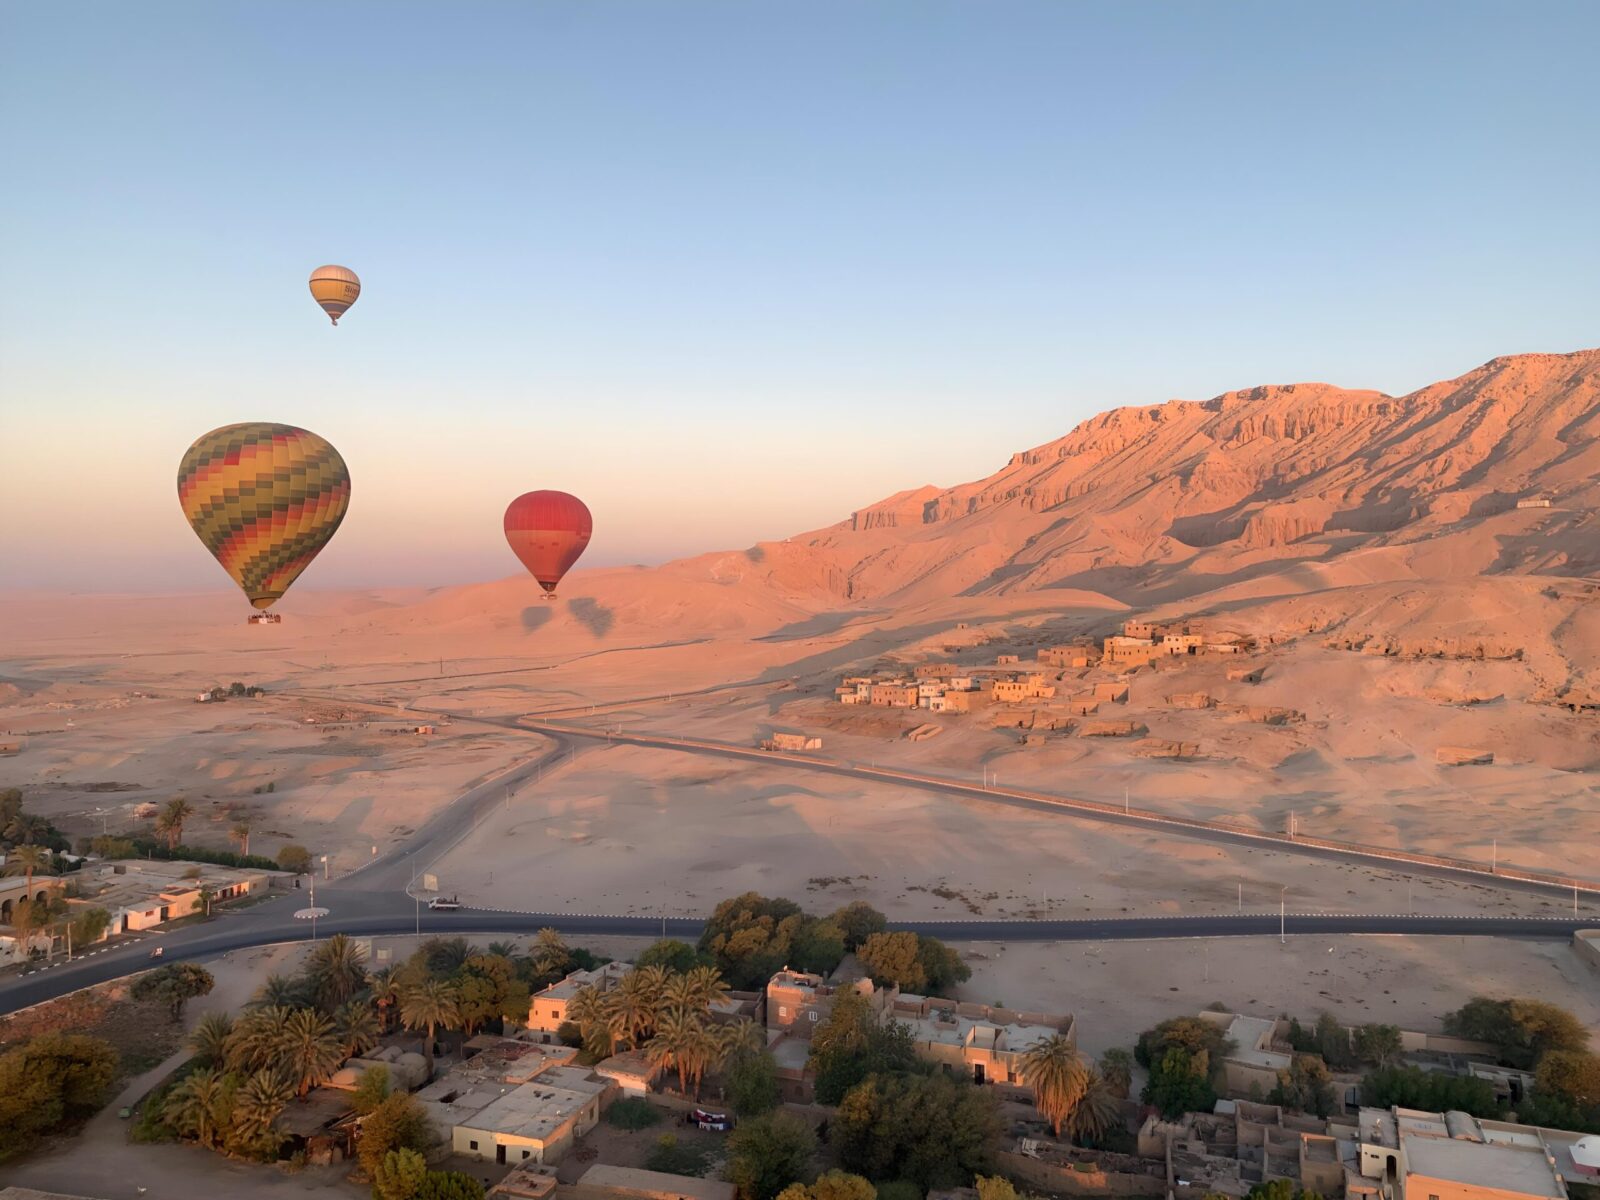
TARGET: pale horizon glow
(730,272)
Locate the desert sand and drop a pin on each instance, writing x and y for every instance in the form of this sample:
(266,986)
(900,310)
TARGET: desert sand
(1370,547)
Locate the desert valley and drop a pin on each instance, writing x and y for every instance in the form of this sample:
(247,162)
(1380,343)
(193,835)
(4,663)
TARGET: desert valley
(1408,580)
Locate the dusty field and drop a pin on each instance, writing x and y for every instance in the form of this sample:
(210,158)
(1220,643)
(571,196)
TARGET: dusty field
(1117,989)
(631,830)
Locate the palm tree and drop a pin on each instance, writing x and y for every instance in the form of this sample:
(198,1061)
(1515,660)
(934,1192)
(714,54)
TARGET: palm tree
(257,1035)
(386,986)
(1116,1064)
(587,1010)
(701,1049)
(629,1012)
(1058,1075)
(697,989)
(430,1005)
(1099,1110)
(170,822)
(198,1106)
(550,953)
(204,896)
(279,991)
(337,971)
(356,1027)
(259,1101)
(674,1044)
(25,828)
(735,1039)
(307,1050)
(30,861)
(445,956)
(240,834)
(209,1040)
(505,950)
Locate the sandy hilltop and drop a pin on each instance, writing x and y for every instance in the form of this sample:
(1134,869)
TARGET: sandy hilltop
(1413,574)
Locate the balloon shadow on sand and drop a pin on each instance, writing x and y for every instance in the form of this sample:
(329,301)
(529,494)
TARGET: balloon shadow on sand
(534,616)
(592,615)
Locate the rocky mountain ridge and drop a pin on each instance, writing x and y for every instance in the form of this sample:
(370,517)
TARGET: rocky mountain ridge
(1133,500)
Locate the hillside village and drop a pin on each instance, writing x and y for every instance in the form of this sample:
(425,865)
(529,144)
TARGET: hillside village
(1070,686)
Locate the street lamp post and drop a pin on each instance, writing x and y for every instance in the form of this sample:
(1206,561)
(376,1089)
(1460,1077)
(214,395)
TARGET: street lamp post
(1283,906)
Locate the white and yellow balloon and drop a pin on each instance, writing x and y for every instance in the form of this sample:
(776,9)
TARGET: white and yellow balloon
(335,289)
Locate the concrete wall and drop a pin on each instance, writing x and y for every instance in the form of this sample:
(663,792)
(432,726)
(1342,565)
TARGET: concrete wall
(1586,942)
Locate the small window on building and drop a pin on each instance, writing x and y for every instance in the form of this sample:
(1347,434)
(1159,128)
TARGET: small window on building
(474,1145)
(782,1011)
(524,1154)
(813,1014)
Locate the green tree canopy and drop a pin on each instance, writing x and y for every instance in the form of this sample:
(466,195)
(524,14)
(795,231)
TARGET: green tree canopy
(398,1123)
(1429,1091)
(853,1043)
(50,1083)
(1180,1082)
(858,921)
(831,1185)
(1523,1030)
(930,1129)
(768,1153)
(174,985)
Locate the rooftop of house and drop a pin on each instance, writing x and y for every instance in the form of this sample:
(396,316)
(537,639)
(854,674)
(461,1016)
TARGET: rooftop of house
(1252,1040)
(799,981)
(634,1064)
(633,1181)
(1520,1169)
(953,1029)
(529,1181)
(128,883)
(602,976)
(537,1111)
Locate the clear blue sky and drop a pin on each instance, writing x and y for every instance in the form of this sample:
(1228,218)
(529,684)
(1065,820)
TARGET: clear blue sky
(729,270)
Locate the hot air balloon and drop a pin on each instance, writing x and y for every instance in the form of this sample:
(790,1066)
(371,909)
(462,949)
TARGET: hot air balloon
(265,499)
(548,531)
(336,289)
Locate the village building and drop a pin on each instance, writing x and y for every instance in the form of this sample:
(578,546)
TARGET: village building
(1242,1145)
(143,893)
(896,693)
(14,890)
(798,1000)
(633,1071)
(510,1106)
(1022,687)
(1121,650)
(547,1010)
(1077,656)
(984,1043)
(1404,1154)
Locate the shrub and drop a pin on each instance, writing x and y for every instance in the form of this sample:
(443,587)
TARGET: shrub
(49,1084)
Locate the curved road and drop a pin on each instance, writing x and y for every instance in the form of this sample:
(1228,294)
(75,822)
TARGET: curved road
(374,899)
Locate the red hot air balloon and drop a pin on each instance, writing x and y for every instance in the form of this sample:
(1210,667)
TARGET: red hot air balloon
(548,531)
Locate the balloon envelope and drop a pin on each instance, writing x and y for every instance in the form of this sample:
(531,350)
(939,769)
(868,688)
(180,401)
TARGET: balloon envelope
(336,289)
(548,531)
(265,499)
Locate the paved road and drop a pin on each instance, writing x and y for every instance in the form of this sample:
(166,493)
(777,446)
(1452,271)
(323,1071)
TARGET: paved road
(1152,822)
(371,913)
(373,900)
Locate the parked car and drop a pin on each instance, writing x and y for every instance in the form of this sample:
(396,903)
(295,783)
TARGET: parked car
(702,1118)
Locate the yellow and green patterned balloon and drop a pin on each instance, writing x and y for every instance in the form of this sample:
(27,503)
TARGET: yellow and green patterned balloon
(265,499)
